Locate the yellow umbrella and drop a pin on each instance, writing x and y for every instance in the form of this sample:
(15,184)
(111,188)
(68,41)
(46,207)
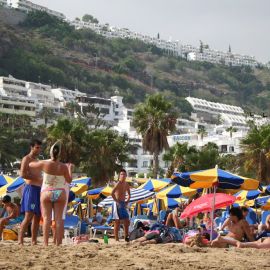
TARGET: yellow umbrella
(155,185)
(176,191)
(215,177)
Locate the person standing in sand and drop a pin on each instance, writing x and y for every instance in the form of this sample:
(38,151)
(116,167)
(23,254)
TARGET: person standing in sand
(53,192)
(120,203)
(30,205)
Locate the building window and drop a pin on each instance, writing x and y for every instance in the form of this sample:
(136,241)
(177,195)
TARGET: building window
(231,148)
(224,149)
(145,164)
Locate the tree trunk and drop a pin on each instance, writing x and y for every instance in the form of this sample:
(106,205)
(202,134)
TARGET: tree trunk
(155,164)
(262,168)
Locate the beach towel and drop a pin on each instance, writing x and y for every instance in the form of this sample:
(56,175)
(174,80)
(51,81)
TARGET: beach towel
(119,211)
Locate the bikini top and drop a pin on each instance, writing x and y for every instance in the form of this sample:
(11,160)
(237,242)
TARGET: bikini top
(51,182)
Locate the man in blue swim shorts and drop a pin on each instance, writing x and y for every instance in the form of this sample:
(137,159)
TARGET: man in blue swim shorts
(30,205)
(119,207)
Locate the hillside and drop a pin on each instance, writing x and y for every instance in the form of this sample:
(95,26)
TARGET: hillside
(43,48)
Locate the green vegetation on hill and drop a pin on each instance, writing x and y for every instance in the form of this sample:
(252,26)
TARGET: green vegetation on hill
(44,48)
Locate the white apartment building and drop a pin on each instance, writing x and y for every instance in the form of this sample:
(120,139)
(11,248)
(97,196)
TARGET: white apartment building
(225,143)
(27,6)
(112,110)
(65,96)
(207,111)
(140,161)
(171,47)
(17,105)
(43,96)
(10,86)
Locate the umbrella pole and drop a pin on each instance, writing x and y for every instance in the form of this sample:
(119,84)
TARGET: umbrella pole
(212,213)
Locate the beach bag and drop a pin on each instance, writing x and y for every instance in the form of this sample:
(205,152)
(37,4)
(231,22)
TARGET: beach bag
(9,234)
(136,233)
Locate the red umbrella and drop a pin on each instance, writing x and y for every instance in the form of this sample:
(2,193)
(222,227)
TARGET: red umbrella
(208,203)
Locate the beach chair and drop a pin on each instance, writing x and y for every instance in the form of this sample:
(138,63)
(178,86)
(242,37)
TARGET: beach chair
(252,217)
(102,228)
(264,216)
(72,224)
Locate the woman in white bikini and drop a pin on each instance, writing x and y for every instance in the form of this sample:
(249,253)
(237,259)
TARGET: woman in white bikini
(53,192)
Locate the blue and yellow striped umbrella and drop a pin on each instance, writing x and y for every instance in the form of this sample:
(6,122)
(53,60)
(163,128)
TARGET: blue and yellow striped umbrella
(176,191)
(13,186)
(263,202)
(5,179)
(215,177)
(247,195)
(99,192)
(170,203)
(155,185)
(80,185)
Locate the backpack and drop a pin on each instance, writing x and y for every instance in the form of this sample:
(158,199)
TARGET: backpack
(136,233)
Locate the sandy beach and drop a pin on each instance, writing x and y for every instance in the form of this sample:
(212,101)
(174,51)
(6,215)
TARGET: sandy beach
(123,256)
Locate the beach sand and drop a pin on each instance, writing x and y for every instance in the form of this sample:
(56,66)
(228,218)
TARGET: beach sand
(122,256)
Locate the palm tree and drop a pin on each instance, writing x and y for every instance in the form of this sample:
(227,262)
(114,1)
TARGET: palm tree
(46,114)
(231,129)
(256,146)
(106,153)
(72,133)
(202,132)
(176,155)
(154,120)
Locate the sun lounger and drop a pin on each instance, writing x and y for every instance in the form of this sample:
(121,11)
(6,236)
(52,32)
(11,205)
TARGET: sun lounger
(72,223)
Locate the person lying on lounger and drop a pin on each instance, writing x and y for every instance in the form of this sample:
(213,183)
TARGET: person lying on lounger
(238,230)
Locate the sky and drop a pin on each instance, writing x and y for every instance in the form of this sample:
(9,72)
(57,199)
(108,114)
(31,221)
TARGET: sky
(242,24)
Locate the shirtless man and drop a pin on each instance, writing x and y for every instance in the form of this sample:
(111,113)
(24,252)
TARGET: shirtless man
(119,207)
(238,228)
(12,211)
(30,206)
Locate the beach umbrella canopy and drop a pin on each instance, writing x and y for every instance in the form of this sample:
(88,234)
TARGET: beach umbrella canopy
(5,179)
(155,185)
(80,185)
(267,189)
(244,195)
(205,204)
(138,194)
(172,202)
(263,202)
(214,177)
(176,191)
(14,186)
(97,192)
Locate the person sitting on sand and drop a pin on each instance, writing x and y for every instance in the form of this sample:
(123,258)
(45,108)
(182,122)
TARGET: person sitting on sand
(11,210)
(175,217)
(53,191)
(261,243)
(238,229)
